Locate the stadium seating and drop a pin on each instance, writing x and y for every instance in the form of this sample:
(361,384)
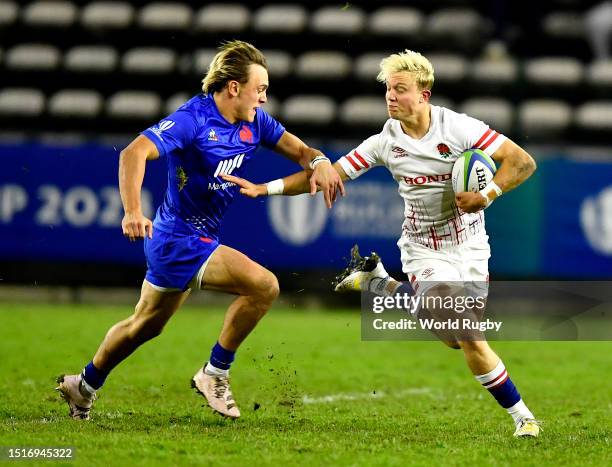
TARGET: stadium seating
(596,115)
(33,57)
(75,103)
(280,63)
(327,52)
(133,104)
(224,17)
(110,15)
(55,13)
(309,109)
(100,59)
(21,102)
(497,112)
(175,101)
(396,21)
(280,19)
(149,60)
(8,13)
(369,111)
(165,16)
(599,74)
(323,64)
(334,20)
(544,117)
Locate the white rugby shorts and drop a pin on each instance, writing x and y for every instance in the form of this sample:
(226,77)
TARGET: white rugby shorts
(466,263)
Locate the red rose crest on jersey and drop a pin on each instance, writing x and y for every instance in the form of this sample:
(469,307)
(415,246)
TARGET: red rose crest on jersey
(444,150)
(246,135)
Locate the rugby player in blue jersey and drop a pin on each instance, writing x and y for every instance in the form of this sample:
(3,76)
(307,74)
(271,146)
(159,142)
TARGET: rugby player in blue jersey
(213,134)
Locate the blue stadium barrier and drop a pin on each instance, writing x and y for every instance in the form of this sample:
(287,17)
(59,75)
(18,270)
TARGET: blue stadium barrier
(63,204)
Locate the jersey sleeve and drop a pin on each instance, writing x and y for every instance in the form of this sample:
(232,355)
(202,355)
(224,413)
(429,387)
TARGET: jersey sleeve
(478,135)
(361,159)
(270,129)
(176,131)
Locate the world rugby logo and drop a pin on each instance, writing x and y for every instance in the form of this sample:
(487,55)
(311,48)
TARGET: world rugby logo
(297,220)
(596,220)
(163,126)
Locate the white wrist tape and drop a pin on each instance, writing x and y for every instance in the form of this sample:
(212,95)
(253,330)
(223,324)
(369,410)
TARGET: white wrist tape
(491,186)
(275,187)
(318,160)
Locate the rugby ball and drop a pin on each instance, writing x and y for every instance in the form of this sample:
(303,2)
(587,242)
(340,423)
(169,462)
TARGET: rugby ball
(472,171)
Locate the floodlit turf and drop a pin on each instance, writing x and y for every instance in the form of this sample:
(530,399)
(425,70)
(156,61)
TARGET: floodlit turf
(310,391)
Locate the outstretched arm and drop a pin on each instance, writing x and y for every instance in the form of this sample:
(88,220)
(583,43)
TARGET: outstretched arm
(322,176)
(516,167)
(294,184)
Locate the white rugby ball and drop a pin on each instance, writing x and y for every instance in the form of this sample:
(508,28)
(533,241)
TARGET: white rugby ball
(472,171)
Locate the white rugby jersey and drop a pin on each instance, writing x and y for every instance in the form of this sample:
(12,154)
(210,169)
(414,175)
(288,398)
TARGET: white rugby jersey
(422,168)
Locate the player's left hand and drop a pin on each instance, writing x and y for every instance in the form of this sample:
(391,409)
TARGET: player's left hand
(468,201)
(246,188)
(326,178)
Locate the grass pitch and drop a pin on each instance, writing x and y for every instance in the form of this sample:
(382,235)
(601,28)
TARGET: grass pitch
(311,393)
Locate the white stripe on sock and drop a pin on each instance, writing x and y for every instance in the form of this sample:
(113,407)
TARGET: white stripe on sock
(212,370)
(491,375)
(87,388)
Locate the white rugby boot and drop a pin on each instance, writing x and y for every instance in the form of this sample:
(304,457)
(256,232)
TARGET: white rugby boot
(216,390)
(527,427)
(359,272)
(79,401)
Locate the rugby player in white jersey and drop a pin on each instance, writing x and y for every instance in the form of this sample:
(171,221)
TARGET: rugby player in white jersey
(443,235)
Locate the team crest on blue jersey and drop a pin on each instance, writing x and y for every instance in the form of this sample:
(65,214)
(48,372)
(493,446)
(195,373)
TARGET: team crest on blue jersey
(212,136)
(246,135)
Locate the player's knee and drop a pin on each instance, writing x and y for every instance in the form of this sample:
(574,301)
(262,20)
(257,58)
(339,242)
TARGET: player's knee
(474,346)
(146,323)
(452,344)
(268,288)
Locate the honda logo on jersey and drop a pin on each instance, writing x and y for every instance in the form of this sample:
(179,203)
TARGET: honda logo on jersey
(227,166)
(423,179)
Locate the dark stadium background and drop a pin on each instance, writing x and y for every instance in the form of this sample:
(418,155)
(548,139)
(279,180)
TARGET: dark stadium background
(78,81)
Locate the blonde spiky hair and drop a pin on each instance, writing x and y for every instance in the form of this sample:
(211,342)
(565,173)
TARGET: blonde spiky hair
(410,61)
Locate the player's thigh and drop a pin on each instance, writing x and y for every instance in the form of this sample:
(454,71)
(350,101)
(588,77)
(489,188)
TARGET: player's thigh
(229,270)
(475,273)
(432,273)
(158,304)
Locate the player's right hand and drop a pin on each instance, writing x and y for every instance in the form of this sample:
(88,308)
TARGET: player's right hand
(136,226)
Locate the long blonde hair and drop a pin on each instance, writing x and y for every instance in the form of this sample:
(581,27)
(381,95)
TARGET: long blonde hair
(231,63)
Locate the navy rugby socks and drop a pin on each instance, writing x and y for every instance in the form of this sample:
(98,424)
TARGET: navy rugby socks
(221,358)
(499,384)
(93,376)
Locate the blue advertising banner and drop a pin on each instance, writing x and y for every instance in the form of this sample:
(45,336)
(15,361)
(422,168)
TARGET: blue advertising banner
(63,204)
(577,219)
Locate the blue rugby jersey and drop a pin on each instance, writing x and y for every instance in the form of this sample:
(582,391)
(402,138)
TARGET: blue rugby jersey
(199,145)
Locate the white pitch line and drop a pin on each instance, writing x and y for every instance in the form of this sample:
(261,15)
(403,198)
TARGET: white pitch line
(365,395)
